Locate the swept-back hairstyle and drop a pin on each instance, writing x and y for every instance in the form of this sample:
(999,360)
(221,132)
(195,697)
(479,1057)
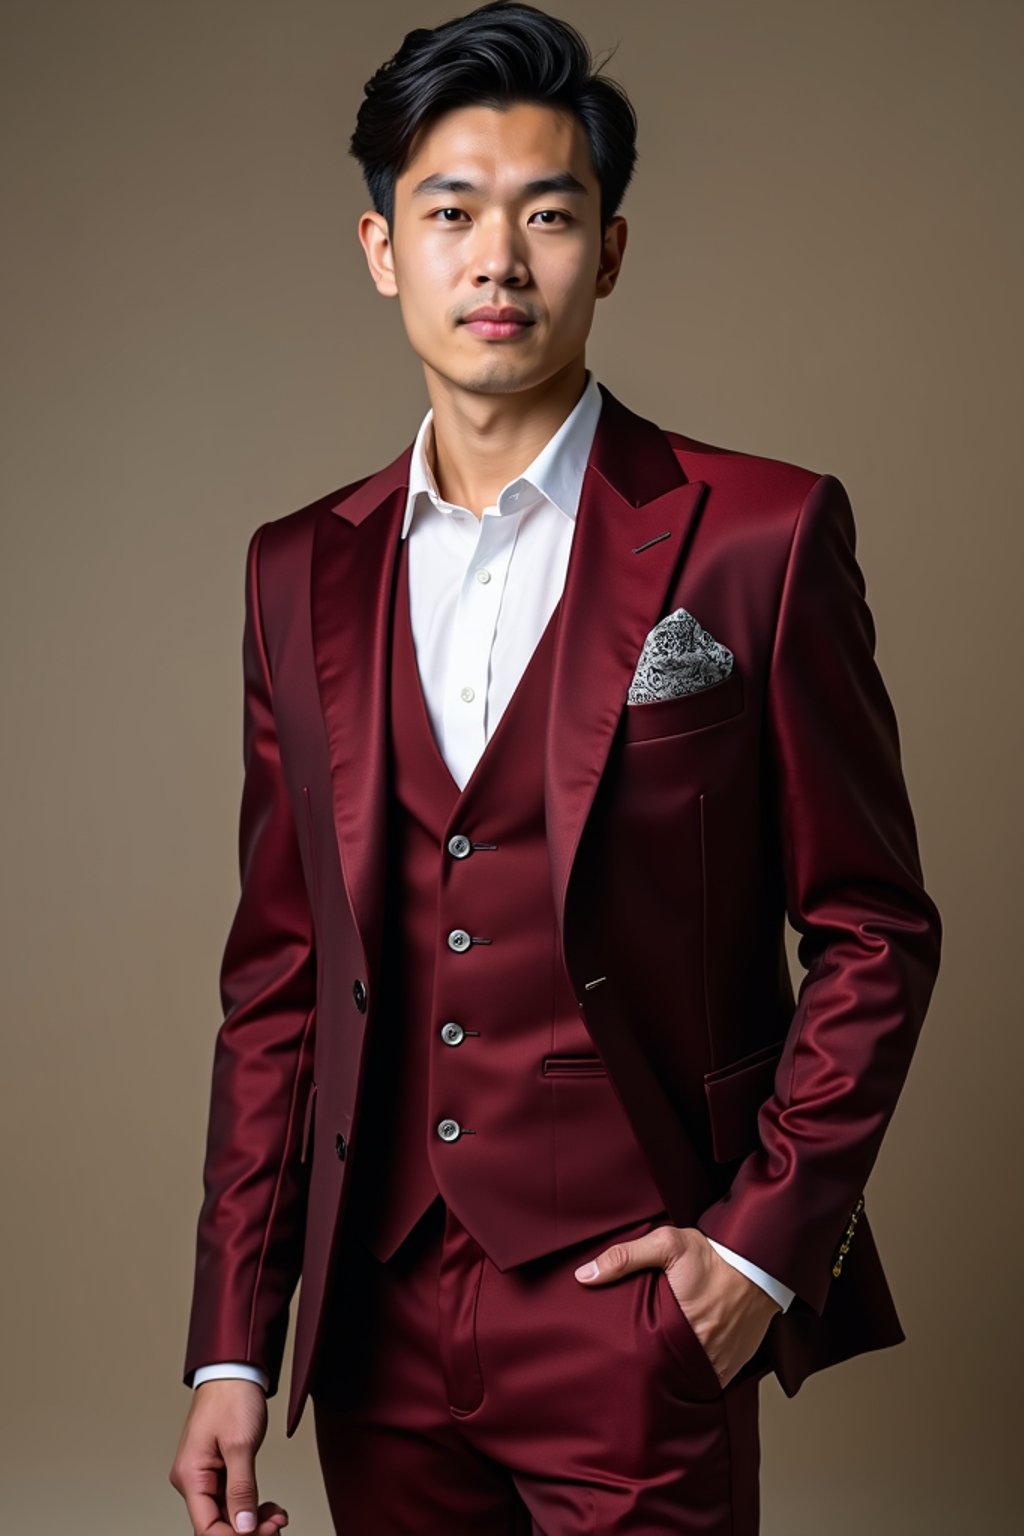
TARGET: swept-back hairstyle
(497,55)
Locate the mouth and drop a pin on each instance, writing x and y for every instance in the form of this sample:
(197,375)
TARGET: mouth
(498,330)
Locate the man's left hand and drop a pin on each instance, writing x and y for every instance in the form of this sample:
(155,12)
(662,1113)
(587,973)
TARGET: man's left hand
(728,1312)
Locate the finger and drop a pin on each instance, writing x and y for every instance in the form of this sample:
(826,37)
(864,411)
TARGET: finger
(240,1487)
(204,1505)
(271,1519)
(621,1258)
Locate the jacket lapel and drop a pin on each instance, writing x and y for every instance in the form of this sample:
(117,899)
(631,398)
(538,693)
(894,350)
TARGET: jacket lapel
(635,512)
(355,557)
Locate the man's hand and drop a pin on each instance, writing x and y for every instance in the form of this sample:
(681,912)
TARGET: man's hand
(728,1312)
(215,1466)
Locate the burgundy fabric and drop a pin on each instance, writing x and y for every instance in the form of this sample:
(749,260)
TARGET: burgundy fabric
(681,834)
(454,1397)
(525,1077)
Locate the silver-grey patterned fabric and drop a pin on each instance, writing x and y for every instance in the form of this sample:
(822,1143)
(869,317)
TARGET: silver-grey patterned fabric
(679,656)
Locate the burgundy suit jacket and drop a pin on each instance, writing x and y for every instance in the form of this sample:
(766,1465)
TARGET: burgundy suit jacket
(682,833)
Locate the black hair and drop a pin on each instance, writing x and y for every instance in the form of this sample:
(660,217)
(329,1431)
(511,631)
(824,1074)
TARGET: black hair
(496,55)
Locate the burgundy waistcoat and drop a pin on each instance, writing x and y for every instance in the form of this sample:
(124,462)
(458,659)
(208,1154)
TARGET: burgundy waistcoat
(482,1081)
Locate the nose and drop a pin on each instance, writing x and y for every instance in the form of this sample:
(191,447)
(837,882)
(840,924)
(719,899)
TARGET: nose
(497,258)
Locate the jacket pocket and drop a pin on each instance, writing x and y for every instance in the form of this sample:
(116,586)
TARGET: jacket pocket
(686,712)
(573,1066)
(734,1095)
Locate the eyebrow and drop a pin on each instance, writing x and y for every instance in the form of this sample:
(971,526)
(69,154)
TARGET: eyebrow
(560,181)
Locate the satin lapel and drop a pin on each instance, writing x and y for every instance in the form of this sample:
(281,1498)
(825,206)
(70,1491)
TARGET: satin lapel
(634,494)
(355,552)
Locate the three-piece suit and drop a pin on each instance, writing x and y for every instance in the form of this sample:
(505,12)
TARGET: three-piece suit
(473,1034)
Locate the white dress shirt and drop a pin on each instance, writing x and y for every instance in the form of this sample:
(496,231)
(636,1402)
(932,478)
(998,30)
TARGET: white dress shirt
(481,591)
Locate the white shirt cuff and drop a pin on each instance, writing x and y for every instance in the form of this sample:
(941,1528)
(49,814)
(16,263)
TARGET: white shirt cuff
(775,1288)
(233,1370)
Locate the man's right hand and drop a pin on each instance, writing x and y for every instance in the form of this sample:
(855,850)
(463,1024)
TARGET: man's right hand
(214,1469)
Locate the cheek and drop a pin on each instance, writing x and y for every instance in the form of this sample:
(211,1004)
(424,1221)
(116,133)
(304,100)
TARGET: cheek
(425,310)
(569,285)
(428,279)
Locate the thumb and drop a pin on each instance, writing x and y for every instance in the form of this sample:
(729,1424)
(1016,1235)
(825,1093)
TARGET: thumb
(240,1487)
(620,1259)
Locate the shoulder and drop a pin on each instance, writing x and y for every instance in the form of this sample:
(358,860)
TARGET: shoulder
(281,547)
(771,504)
(767,484)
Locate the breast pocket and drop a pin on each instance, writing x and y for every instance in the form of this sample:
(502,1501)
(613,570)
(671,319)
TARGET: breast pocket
(688,712)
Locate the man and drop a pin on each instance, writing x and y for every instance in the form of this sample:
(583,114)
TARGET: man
(548,725)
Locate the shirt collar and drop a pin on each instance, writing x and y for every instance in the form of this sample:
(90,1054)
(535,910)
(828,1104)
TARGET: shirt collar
(556,474)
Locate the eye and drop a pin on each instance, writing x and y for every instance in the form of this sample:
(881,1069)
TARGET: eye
(547,213)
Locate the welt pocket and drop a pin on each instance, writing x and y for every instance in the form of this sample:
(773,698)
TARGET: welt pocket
(688,712)
(734,1095)
(307,1123)
(573,1066)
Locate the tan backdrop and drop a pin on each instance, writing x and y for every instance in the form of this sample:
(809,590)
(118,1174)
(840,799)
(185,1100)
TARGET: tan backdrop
(824,266)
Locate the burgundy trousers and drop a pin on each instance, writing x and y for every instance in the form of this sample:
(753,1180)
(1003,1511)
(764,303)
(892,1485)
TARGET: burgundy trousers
(454,1400)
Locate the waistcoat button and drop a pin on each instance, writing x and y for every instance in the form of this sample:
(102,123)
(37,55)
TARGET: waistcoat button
(452,1033)
(359,994)
(459,939)
(459,846)
(449,1130)
(340,1146)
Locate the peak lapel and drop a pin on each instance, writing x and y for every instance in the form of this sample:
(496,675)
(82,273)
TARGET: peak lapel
(355,556)
(634,494)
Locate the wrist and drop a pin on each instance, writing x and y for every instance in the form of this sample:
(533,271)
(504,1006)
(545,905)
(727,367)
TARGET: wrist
(751,1295)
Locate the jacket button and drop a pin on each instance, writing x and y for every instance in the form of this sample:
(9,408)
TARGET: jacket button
(452,1033)
(340,1146)
(459,846)
(359,994)
(459,940)
(449,1130)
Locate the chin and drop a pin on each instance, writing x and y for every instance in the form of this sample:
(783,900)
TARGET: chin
(497,376)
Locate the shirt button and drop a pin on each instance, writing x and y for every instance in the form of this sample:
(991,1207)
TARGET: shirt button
(449,1130)
(459,940)
(483,577)
(459,846)
(469,694)
(452,1033)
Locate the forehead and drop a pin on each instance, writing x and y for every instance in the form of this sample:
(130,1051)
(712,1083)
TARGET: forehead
(499,149)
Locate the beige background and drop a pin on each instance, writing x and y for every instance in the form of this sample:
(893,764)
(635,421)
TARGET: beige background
(824,266)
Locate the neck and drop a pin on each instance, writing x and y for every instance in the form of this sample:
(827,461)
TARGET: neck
(479,442)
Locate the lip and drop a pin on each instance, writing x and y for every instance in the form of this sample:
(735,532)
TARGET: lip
(497,329)
(502,313)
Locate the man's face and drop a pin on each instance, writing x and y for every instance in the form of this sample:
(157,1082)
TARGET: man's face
(491,240)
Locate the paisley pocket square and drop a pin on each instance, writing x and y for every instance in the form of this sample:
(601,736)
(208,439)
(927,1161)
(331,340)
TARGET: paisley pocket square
(679,656)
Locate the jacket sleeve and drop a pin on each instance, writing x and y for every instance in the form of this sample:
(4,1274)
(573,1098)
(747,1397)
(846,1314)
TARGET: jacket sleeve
(251,1223)
(869,933)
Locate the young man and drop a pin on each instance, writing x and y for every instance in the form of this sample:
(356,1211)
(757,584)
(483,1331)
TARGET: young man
(548,726)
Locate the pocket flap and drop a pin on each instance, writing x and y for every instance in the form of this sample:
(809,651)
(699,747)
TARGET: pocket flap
(734,1095)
